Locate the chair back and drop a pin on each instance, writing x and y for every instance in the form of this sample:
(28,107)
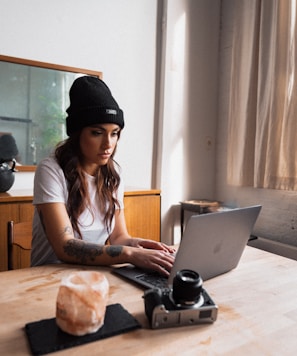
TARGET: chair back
(19,244)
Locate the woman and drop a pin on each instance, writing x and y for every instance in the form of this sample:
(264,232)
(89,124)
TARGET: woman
(78,193)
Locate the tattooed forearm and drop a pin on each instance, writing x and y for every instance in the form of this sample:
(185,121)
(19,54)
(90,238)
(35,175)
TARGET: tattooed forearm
(114,251)
(87,252)
(82,251)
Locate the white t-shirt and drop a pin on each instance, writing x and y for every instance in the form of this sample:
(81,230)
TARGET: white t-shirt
(50,186)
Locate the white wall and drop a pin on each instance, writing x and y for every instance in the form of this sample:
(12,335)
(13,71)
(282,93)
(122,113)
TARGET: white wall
(169,139)
(188,135)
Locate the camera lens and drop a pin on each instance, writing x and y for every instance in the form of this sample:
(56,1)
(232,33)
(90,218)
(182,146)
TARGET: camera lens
(187,287)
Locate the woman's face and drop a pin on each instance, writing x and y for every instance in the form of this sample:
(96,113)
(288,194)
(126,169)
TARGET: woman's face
(97,144)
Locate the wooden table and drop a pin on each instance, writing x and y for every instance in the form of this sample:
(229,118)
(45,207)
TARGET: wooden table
(257,312)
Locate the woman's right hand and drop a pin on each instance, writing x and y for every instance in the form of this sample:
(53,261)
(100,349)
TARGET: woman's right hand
(158,260)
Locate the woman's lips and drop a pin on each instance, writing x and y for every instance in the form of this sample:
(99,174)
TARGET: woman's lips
(104,155)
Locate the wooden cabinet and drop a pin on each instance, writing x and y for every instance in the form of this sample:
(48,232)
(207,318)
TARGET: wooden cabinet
(142,212)
(16,206)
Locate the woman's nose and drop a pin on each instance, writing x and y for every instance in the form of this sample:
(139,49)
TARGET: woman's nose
(107,142)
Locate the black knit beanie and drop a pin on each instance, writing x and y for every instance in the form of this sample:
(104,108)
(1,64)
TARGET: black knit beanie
(91,102)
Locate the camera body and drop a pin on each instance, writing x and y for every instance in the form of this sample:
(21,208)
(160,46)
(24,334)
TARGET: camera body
(186,303)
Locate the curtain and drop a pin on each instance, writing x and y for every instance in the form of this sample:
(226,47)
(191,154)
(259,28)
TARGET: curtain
(262,143)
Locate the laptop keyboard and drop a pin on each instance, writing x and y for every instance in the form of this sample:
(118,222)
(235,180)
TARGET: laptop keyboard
(155,279)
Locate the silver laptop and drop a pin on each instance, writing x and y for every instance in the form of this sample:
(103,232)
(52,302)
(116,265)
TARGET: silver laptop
(212,244)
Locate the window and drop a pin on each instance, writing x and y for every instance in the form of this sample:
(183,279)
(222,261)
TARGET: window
(262,145)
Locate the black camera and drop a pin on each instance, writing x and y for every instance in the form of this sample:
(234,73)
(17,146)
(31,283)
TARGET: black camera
(186,303)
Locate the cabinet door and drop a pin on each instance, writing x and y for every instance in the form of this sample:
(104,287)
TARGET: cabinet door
(17,212)
(142,213)
(26,212)
(7,212)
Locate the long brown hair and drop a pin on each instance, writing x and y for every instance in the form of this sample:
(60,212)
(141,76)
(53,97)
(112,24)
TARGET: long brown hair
(107,181)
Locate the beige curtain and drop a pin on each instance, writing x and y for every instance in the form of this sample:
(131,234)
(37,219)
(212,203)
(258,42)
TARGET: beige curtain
(262,146)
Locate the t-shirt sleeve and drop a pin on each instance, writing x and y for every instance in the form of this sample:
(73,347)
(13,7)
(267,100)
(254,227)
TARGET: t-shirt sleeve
(49,183)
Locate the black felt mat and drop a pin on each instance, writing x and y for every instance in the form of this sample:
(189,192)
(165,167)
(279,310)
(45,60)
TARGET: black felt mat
(45,336)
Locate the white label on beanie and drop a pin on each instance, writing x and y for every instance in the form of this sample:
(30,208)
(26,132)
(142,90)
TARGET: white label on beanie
(111,111)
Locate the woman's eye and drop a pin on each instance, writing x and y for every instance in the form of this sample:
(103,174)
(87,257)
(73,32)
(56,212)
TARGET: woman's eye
(96,133)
